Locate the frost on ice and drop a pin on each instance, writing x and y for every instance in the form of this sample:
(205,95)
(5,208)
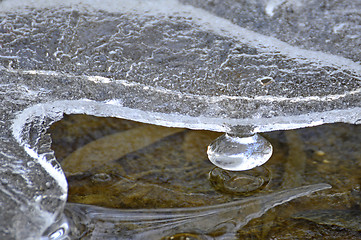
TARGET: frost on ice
(164,63)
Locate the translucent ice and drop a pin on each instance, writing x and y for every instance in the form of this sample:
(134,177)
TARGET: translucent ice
(180,66)
(238,153)
(164,63)
(92,222)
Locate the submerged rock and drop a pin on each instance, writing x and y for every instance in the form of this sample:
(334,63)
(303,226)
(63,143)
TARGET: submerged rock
(348,219)
(158,62)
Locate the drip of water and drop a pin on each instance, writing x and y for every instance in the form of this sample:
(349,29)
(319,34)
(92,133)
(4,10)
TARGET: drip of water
(239,153)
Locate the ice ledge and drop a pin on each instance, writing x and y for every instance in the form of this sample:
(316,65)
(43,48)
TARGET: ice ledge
(115,108)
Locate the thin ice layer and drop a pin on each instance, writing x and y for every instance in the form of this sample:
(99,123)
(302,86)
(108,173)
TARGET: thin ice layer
(225,219)
(183,63)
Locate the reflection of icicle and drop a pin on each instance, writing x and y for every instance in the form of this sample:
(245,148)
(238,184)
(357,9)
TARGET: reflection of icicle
(93,222)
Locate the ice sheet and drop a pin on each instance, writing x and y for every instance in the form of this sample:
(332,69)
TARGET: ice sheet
(199,66)
(164,63)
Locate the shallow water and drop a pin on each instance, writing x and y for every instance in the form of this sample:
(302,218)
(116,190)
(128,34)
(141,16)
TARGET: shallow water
(173,171)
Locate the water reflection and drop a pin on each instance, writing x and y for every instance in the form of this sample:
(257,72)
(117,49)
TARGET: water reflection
(239,183)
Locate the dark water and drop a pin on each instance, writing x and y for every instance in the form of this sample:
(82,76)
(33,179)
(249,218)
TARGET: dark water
(122,164)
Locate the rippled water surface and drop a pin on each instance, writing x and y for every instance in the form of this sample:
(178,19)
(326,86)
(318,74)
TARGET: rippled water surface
(130,165)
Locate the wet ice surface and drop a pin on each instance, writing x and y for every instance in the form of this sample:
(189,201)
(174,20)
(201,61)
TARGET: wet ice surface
(206,72)
(170,65)
(321,25)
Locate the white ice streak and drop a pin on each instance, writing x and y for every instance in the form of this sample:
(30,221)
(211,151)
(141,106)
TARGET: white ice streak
(211,99)
(18,127)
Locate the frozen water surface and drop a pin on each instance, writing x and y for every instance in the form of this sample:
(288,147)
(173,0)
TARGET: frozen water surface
(224,66)
(205,71)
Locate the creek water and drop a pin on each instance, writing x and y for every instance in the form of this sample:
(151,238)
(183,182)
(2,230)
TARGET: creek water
(172,171)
